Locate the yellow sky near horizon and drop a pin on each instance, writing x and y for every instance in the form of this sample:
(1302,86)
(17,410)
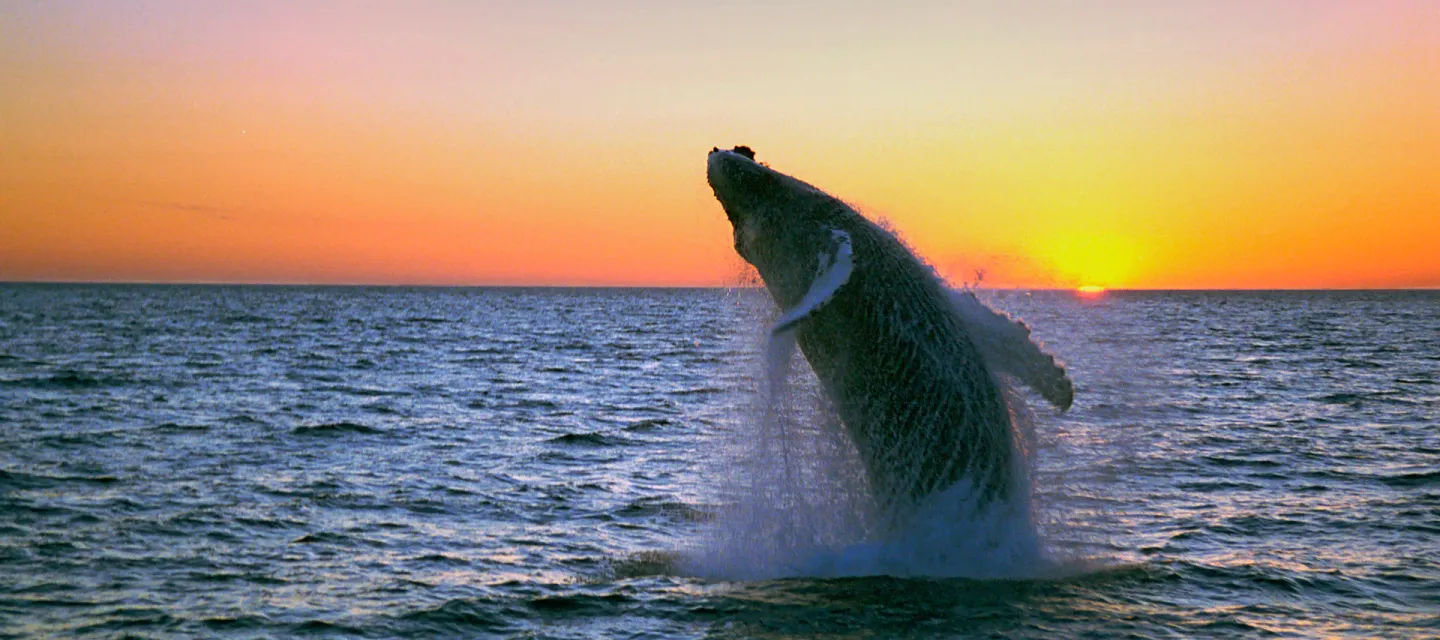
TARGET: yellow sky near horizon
(1270,144)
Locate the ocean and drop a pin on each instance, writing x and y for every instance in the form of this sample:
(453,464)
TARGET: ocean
(258,461)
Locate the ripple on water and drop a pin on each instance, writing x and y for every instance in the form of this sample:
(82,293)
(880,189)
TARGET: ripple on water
(64,380)
(335,429)
(591,439)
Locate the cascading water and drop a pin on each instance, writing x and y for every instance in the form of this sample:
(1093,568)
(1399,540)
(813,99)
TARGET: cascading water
(792,483)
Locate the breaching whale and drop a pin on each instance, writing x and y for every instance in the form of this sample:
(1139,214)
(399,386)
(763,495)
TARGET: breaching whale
(910,366)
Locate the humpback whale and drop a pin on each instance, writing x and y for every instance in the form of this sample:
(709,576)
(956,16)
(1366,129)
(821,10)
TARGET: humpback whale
(911,368)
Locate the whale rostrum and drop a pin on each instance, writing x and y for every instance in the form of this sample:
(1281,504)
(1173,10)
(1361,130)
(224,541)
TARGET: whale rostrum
(909,366)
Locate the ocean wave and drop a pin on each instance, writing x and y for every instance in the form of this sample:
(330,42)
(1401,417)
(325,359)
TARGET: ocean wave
(335,429)
(461,617)
(591,439)
(23,480)
(648,424)
(1412,479)
(650,507)
(65,380)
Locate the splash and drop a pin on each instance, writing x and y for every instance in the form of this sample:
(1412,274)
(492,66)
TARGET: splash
(798,502)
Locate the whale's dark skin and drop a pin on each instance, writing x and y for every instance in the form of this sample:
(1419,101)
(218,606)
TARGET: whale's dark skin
(889,348)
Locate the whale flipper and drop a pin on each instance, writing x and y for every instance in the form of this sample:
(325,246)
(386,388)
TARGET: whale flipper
(833,273)
(1006,346)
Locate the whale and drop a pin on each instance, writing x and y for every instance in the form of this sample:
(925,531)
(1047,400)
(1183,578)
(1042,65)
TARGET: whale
(914,370)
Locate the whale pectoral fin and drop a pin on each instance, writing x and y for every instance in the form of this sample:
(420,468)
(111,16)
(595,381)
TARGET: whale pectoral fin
(1006,346)
(835,271)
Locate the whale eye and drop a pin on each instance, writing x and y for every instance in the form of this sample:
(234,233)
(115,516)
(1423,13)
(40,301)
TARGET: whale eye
(745,151)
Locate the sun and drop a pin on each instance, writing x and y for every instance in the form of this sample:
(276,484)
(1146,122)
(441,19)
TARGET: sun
(1090,289)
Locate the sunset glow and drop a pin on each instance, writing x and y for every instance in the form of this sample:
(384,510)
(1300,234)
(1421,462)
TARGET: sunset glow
(1130,144)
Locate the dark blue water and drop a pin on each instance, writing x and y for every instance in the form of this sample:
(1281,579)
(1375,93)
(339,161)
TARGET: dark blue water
(389,462)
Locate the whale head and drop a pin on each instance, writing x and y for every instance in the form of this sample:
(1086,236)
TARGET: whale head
(781,225)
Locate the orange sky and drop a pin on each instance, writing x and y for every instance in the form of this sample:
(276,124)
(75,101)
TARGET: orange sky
(1242,144)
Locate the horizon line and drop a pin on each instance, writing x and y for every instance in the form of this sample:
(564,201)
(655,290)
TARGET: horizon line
(392,285)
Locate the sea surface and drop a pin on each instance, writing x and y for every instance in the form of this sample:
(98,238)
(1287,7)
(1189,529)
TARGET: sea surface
(215,461)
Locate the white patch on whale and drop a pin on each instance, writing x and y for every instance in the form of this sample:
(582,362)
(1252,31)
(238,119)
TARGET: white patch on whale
(833,273)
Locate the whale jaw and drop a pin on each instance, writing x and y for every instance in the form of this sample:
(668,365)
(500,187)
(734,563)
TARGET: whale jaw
(781,226)
(733,177)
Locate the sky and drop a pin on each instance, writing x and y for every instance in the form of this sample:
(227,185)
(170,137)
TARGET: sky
(1123,144)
